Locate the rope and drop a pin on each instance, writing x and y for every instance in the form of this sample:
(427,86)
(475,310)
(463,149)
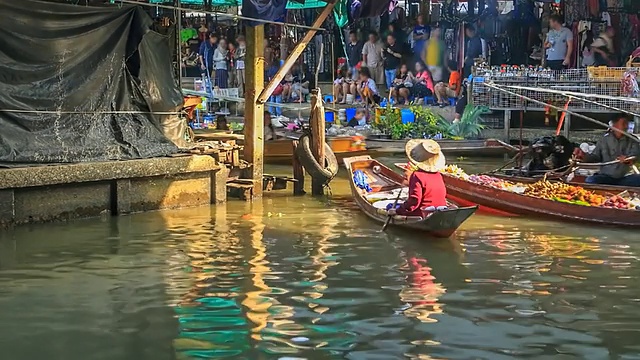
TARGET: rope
(55,112)
(234,17)
(499,88)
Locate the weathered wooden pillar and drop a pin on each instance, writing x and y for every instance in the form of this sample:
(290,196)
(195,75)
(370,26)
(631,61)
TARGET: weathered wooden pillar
(298,171)
(317,137)
(567,125)
(254,111)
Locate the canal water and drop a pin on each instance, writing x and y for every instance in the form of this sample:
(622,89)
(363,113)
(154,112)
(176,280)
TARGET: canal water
(310,278)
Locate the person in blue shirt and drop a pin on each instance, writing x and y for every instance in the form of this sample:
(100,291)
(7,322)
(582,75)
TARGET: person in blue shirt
(421,33)
(473,49)
(205,54)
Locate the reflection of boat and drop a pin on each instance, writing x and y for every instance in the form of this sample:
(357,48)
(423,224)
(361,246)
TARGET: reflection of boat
(281,151)
(470,148)
(384,181)
(510,203)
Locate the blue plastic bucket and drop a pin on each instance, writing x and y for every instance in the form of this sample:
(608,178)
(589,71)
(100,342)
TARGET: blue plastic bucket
(350,113)
(329,116)
(407,116)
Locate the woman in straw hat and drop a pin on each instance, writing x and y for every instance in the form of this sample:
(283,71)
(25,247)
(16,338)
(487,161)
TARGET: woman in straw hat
(426,186)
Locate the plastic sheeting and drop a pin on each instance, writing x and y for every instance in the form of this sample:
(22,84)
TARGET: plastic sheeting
(78,83)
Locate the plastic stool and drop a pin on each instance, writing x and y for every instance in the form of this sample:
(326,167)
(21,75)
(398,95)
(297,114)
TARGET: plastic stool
(452,101)
(328,98)
(429,100)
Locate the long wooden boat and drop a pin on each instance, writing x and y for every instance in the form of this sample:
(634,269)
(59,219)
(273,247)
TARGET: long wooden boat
(281,152)
(503,202)
(384,181)
(451,148)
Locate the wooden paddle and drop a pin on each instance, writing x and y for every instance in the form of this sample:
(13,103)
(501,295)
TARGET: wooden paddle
(386,223)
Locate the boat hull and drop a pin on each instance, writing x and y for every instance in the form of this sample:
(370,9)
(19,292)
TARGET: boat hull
(506,202)
(439,224)
(281,151)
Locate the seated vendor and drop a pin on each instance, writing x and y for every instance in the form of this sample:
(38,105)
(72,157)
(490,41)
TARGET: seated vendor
(269,130)
(614,146)
(426,186)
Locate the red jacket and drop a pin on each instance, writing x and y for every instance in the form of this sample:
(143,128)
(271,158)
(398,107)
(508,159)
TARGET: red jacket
(425,189)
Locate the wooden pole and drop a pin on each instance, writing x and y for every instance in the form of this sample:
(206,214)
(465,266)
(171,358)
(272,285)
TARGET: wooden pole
(295,54)
(254,111)
(567,125)
(507,128)
(317,137)
(298,171)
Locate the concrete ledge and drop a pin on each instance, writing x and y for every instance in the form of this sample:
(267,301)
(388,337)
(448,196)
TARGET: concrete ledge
(87,172)
(93,189)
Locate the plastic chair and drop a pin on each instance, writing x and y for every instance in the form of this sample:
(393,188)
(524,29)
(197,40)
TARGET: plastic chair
(329,116)
(429,100)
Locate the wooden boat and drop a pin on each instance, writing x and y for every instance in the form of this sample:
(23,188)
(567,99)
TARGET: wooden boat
(281,152)
(382,180)
(452,148)
(501,202)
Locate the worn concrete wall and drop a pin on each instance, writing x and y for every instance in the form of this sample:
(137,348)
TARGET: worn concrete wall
(87,190)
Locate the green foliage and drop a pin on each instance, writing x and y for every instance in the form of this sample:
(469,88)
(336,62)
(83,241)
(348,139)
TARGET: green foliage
(469,125)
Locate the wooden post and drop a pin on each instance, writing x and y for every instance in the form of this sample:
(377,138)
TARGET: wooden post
(567,125)
(254,111)
(317,124)
(295,54)
(507,128)
(298,172)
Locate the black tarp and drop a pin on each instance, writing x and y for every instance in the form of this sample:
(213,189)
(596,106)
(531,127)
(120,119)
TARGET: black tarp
(85,70)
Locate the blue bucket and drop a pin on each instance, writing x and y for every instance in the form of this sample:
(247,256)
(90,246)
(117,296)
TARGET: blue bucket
(329,116)
(350,113)
(407,116)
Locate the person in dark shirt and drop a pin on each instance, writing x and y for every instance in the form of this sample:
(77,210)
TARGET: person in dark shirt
(207,49)
(354,51)
(392,56)
(358,120)
(473,48)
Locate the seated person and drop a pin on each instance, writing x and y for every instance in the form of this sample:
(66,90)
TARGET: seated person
(426,186)
(287,86)
(359,119)
(367,89)
(423,83)
(339,85)
(452,90)
(401,84)
(614,146)
(301,85)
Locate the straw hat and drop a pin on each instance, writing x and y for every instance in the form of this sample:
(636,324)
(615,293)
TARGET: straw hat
(425,154)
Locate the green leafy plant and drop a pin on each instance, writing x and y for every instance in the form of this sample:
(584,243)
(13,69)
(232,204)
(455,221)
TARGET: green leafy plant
(427,123)
(469,125)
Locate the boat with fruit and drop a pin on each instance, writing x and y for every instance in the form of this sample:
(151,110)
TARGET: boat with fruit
(546,199)
(375,186)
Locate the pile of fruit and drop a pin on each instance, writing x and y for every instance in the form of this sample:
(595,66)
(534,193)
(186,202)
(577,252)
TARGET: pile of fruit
(565,193)
(455,171)
(618,202)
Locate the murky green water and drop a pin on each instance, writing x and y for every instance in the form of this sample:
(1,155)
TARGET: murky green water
(304,278)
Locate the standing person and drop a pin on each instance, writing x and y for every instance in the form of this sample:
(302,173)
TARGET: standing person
(231,64)
(392,59)
(559,44)
(205,55)
(602,47)
(473,48)
(433,55)
(354,51)
(588,55)
(241,54)
(421,33)
(614,146)
(372,57)
(220,64)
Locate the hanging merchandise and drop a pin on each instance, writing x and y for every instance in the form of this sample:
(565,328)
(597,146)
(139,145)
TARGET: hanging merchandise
(270,10)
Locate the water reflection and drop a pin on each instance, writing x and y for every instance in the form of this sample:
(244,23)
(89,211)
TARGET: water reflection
(315,279)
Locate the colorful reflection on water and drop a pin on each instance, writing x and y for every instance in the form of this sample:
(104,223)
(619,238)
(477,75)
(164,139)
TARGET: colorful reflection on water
(305,278)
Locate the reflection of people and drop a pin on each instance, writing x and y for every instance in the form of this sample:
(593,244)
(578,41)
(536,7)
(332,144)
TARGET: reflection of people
(614,146)
(426,186)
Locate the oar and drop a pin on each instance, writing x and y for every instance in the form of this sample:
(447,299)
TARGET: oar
(386,223)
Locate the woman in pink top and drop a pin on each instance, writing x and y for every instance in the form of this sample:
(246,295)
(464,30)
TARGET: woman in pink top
(423,86)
